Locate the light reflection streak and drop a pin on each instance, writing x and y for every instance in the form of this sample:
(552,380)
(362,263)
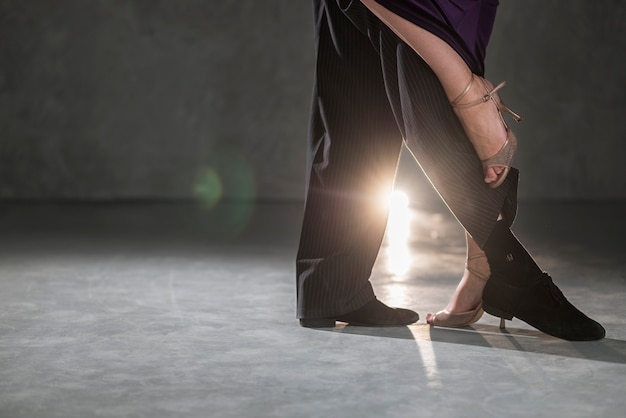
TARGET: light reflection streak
(429,362)
(398,264)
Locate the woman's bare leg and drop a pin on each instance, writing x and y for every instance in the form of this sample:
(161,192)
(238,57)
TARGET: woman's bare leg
(482,124)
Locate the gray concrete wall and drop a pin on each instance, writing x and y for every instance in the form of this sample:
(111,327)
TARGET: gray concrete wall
(565,62)
(182,98)
(159,98)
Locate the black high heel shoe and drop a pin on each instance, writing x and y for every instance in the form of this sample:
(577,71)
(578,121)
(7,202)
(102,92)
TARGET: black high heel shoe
(519,288)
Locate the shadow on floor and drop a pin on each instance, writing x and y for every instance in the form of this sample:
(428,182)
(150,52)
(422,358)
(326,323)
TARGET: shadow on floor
(522,340)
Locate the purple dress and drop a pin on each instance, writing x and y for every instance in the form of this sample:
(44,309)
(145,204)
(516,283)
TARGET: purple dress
(464,24)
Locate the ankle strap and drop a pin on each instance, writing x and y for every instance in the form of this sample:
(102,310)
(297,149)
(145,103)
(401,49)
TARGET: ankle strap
(486,97)
(455,102)
(476,273)
(477,255)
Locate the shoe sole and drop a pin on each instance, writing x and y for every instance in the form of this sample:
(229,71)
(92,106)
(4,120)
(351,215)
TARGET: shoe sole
(330,323)
(317,323)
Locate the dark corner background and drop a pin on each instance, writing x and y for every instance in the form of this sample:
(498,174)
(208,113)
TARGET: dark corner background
(201,99)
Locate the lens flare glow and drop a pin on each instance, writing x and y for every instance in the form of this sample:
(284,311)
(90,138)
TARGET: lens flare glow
(209,188)
(226,188)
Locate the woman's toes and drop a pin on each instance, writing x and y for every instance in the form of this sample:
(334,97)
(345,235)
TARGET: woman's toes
(490,175)
(430,318)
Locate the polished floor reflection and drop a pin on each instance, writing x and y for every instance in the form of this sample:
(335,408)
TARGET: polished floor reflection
(173,310)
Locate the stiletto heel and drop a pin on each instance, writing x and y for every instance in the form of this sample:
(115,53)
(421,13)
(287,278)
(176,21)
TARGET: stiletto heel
(507,109)
(446,318)
(498,313)
(504,157)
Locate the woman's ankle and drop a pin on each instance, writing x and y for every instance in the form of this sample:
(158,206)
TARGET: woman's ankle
(468,294)
(481,120)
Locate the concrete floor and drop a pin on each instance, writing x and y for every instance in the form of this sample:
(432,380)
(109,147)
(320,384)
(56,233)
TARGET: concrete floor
(171,310)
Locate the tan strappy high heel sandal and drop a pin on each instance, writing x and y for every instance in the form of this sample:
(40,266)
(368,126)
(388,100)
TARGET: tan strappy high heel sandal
(504,157)
(446,318)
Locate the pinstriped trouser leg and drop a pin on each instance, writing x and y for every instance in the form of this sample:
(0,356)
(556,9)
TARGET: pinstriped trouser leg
(371,92)
(355,145)
(436,138)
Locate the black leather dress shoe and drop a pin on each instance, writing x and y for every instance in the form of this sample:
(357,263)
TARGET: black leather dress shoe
(543,306)
(373,314)
(519,288)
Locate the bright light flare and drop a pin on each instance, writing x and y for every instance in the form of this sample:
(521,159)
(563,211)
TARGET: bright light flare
(399,214)
(398,226)
(398,200)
